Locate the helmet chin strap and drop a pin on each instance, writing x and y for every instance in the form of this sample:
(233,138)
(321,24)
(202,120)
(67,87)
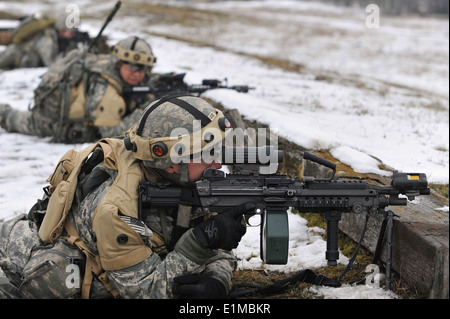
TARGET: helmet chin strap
(184,178)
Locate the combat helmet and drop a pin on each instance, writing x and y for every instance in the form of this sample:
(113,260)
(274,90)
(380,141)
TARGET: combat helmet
(178,129)
(134,50)
(32,25)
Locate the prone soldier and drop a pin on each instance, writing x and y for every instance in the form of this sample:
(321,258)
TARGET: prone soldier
(80,97)
(38,41)
(89,218)
(34,43)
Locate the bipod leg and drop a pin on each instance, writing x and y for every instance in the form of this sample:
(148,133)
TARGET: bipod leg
(389,235)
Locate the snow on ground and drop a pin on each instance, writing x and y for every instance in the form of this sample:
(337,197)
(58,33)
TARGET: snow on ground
(386,95)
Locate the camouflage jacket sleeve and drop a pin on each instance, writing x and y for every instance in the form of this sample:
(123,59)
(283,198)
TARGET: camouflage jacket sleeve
(221,267)
(152,277)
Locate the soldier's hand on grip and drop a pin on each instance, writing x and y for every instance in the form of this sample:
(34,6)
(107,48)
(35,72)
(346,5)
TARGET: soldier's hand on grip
(223,230)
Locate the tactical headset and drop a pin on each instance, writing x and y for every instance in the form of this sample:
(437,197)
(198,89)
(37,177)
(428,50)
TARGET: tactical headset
(213,131)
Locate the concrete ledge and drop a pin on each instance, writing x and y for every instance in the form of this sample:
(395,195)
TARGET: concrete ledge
(420,250)
(420,233)
(420,243)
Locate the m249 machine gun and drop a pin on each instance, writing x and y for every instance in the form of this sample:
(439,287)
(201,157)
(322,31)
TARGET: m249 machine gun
(274,193)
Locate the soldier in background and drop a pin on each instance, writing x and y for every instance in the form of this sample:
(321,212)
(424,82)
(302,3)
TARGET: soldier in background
(38,41)
(34,44)
(80,98)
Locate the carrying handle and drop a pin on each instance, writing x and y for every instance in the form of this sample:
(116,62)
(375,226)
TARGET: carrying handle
(319,160)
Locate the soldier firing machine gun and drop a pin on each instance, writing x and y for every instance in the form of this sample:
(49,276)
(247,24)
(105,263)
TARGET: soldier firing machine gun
(173,83)
(274,193)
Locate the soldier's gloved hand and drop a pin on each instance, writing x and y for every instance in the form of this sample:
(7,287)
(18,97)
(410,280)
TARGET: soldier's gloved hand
(223,230)
(197,286)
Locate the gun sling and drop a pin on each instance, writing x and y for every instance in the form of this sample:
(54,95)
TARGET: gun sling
(303,276)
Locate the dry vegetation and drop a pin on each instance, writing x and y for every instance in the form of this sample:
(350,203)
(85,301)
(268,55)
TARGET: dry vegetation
(357,273)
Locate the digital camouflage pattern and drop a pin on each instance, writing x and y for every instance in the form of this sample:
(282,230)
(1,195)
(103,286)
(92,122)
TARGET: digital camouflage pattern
(153,277)
(174,117)
(40,49)
(166,119)
(44,275)
(18,237)
(50,97)
(38,41)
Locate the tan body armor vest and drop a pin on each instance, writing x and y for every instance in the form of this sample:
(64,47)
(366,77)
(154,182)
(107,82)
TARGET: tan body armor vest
(121,198)
(111,108)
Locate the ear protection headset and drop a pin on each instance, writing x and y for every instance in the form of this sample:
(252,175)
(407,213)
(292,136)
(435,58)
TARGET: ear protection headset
(213,131)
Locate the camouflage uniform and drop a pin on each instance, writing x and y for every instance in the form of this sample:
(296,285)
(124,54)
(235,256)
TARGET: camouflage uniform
(18,237)
(38,50)
(151,278)
(175,251)
(45,119)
